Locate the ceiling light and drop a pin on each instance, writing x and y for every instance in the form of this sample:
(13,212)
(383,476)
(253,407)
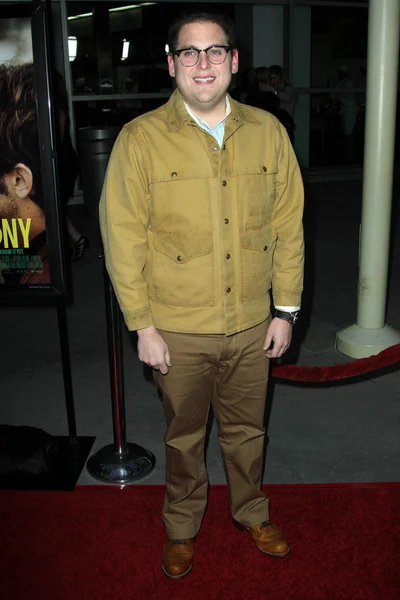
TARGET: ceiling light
(125,49)
(82,16)
(132,6)
(117,9)
(72,47)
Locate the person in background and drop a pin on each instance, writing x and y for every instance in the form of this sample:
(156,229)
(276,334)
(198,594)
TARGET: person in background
(264,97)
(201,218)
(264,100)
(261,75)
(246,85)
(278,84)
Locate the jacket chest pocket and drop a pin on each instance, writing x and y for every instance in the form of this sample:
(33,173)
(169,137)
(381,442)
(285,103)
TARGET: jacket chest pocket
(256,251)
(256,196)
(181,268)
(180,203)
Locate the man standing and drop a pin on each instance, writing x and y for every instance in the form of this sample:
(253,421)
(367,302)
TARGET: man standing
(201,215)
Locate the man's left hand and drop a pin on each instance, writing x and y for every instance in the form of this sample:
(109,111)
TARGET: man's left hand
(280,333)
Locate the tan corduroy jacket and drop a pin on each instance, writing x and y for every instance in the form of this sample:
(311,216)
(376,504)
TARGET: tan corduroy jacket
(196,235)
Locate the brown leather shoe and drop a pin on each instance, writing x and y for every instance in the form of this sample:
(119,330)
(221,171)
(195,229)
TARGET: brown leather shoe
(177,559)
(269,539)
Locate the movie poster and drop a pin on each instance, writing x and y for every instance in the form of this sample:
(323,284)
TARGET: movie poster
(23,240)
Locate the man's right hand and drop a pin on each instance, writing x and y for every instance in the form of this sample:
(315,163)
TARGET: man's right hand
(152,349)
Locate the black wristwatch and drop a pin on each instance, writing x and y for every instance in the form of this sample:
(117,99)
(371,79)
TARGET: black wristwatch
(290,317)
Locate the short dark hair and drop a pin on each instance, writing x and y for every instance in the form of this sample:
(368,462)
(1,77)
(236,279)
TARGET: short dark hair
(275,70)
(224,21)
(19,136)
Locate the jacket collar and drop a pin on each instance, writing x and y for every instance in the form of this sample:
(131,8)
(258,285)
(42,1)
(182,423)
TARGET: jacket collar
(177,115)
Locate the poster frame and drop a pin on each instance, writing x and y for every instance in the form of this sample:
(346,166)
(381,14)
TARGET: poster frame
(57,293)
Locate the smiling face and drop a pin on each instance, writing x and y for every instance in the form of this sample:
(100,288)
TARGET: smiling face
(204,86)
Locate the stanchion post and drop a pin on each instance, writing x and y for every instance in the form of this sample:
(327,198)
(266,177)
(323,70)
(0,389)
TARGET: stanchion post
(122,462)
(113,319)
(67,376)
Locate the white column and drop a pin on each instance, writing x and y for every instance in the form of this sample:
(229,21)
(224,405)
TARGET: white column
(370,335)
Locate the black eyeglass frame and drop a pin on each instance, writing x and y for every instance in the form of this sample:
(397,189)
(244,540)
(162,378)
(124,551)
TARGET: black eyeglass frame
(199,50)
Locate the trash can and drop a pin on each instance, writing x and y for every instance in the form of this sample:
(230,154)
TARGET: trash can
(95,145)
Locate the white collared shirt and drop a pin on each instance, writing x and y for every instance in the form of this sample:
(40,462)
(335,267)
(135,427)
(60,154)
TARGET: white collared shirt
(218,131)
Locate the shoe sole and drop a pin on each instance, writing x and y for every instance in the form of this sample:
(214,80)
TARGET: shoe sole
(176,576)
(274,554)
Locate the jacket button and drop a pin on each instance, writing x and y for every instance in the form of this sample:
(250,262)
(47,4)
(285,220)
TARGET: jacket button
(174,174)
(228,256)
(224,183)
(265,169)
(228,290)
(223,147)
(180,258)
(226,221)
(214,148)
(265,248)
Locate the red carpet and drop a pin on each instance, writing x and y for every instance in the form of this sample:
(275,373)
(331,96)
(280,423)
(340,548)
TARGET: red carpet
(105,544)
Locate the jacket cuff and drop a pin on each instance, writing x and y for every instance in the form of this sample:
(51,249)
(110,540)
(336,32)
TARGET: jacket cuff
(138,319)
(286,298)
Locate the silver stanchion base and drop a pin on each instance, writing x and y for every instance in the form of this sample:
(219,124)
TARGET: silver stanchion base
(110,466)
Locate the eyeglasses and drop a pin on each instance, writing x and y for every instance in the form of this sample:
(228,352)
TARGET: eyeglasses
(189,57)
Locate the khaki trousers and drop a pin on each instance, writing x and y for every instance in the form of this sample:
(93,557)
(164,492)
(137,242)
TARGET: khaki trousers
(231,372)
